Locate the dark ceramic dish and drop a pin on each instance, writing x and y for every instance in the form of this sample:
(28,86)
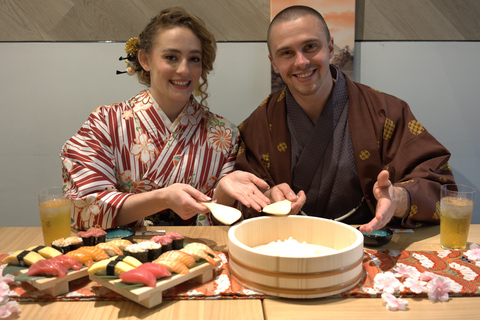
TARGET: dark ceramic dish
(377,238)
(120,233)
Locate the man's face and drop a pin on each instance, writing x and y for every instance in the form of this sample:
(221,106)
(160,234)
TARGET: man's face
(300,52)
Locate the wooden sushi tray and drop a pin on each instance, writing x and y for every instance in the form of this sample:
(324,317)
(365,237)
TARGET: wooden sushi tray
(54,285)
(152,296)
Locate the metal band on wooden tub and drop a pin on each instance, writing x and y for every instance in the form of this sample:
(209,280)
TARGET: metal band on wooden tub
(327,273)
(315,292)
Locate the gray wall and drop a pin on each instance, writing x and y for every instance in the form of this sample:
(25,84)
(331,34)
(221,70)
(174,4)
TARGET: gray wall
(48,90)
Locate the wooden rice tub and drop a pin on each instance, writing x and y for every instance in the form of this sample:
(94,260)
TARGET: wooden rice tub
(296,277)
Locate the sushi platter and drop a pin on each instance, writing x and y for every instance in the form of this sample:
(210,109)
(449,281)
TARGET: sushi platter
(139,271)
(150,297)
(54,285)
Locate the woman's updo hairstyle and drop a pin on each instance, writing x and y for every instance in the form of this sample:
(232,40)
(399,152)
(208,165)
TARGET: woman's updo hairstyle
(179,17)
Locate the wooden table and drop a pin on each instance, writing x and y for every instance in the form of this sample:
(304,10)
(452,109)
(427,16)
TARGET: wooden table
(426,238)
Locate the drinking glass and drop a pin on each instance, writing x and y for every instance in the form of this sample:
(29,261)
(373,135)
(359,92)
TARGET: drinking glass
(54,211)
(456,206)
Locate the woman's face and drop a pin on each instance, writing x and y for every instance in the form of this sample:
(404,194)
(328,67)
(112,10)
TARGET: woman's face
(175,66)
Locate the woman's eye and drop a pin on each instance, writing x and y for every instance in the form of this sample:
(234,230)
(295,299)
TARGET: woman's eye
(195,59)
(170,58)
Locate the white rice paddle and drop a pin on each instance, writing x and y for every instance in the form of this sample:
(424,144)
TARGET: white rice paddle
(279,208)
(225,214)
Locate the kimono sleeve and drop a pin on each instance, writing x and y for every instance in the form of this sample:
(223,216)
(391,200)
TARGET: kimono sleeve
(417,162)
(89,175)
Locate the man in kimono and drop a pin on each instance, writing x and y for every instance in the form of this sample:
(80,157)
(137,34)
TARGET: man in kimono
(337,148)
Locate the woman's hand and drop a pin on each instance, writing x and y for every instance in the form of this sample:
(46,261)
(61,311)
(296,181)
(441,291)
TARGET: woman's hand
(181,198)
(184,200)
(244,187)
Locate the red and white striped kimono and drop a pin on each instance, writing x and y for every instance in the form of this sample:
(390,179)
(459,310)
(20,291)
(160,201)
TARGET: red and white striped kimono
(127,148)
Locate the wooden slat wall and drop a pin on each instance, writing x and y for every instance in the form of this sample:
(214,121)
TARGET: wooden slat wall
(244,20)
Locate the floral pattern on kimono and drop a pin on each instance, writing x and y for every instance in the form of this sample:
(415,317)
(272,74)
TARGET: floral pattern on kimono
(125,148)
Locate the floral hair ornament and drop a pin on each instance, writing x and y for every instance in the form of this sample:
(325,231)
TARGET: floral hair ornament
(131,50)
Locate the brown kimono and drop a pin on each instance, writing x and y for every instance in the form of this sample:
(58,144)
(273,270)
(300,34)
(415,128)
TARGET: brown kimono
(384,135)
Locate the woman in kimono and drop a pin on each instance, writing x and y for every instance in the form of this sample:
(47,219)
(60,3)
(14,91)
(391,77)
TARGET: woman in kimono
(151,159)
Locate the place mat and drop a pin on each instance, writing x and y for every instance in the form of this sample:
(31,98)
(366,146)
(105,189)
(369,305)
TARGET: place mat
(463,273)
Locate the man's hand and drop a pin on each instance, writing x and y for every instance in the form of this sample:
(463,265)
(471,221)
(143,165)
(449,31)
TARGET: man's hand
(391,201)
(283,191)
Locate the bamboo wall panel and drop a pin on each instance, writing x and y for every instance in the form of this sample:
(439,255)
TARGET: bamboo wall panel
(244,20)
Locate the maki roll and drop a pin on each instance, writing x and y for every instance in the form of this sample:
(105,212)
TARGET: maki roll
(154,249)
(137,251)
(93,236)
(74,242)
(165,241)
(61,245)
(68,244)
(177,240)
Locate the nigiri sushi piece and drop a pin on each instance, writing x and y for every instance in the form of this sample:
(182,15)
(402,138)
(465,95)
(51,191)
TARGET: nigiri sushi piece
(85,258)
(68,262)
(110,249)
(22,258)
(47,267)
(137,275)
(96,253)
(173,265)
(46,252)
(158,270)
(128,260)
(121,243)
(183,256)
(199,251)
(109,268)
(201,246)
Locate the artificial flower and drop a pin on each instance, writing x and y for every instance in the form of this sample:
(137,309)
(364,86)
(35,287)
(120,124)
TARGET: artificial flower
(7,309)
(415,285)
(386,282)
(4,290)
(473,253)
(438,289)
(404,271)
(7,278)
(427,276)
(393,303)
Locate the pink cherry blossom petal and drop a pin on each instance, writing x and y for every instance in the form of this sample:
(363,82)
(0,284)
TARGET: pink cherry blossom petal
(474,252)
(438,289)
(404,271)
(427,276)
(392,303)
(8,309)
(386,282)
(415,285)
